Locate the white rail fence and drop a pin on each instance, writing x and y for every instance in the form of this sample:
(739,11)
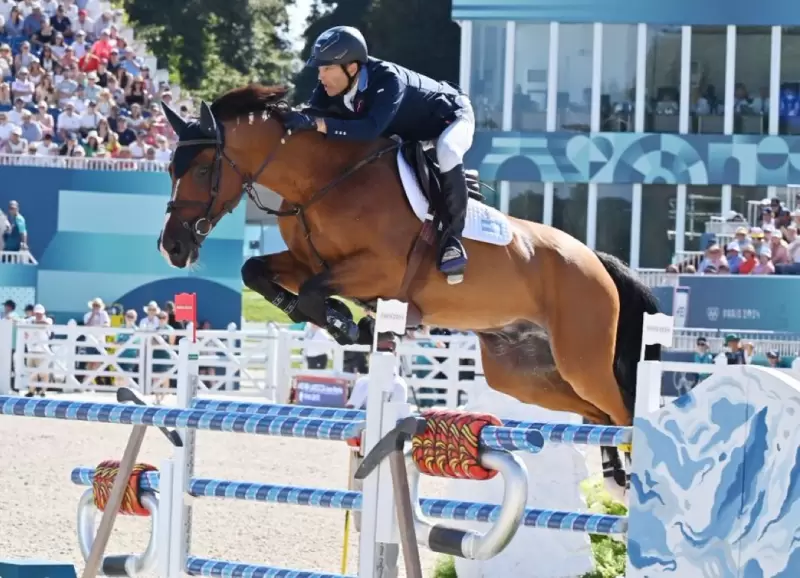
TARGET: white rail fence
(257,363)
(261,363)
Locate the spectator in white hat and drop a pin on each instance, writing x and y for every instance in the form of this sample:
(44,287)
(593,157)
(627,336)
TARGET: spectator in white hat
(764,265)
(97,315)
(779,248)
(150,322)
(16,145)
(37,341)
(732,254)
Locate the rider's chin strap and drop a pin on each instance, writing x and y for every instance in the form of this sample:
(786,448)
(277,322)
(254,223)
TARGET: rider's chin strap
(351,78)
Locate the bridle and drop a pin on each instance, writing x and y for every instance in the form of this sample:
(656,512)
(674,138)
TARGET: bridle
(201,226)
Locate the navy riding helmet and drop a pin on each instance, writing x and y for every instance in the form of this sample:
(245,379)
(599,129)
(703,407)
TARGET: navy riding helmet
(339,45)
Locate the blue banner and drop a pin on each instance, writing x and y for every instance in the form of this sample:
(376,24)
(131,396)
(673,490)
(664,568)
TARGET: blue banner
(629,158)
(94,234)
(744,303)
(676,12)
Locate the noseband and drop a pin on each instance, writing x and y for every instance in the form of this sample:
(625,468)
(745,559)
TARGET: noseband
(202,226)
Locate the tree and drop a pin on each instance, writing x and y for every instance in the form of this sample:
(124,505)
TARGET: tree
(418,34)
(212,45)
(326,14)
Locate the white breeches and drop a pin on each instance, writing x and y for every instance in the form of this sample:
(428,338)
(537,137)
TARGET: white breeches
(456,139)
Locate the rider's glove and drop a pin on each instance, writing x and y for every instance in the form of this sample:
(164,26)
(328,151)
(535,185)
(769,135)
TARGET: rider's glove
(297,121)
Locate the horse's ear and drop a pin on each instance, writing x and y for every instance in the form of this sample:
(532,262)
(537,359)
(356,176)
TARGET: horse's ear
(174,119)
(208,123)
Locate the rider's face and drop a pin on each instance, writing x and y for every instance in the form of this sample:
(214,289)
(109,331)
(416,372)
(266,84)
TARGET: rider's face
(333,78)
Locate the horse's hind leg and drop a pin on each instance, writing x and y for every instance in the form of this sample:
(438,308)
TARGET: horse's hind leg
(530,376)
(583,341)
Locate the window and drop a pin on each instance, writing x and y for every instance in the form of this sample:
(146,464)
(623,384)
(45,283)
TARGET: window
(486,75)
(663,82)
(790,81)
(751,97)
(491,195)
(531,53)
(574,102)
(747,201)
(614,220)
(702,203)
(526,201)
(707,91)
(658,220)
(569,208)
(618,77)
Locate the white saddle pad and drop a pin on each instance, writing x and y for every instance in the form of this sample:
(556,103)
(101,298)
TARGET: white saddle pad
(483,223)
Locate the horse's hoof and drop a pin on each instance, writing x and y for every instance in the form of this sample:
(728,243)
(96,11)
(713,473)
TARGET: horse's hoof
(618,492)
(455,279)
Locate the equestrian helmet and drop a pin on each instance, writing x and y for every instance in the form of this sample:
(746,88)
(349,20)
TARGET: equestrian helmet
(339,45)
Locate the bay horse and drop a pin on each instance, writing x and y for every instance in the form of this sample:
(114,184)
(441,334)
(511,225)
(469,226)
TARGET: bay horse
(559,325)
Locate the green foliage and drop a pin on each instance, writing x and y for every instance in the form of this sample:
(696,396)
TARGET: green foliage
(445,568)
(326,14)
(210,46)
(418,34)
(609,553)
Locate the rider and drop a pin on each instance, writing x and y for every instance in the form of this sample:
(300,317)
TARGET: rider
(380,98)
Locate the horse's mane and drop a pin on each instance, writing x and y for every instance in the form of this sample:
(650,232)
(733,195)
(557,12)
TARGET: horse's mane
(249,99)
(257,98)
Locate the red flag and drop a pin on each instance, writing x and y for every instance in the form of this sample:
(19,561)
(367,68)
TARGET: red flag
(186,310)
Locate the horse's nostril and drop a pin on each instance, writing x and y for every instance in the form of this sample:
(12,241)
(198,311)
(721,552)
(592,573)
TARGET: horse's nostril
(176,248)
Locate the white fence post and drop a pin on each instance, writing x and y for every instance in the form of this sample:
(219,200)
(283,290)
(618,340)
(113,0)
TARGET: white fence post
(451,367)
(230,373)
(6,354)
(283,384)
(338,358)
(271,367)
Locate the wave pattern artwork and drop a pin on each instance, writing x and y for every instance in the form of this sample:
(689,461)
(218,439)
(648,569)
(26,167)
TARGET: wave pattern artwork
(716,482)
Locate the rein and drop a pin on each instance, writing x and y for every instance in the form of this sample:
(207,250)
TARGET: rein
(203,225)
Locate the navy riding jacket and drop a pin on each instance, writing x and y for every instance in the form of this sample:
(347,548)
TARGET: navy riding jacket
(390,100)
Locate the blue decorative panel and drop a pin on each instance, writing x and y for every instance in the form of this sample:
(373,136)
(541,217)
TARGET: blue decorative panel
(714,487)
(94,233)
(620,158)
(677,12)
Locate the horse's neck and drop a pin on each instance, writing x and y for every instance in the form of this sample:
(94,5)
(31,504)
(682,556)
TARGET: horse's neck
(317,162)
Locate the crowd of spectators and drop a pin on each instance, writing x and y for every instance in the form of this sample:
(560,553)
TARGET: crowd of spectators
(39,338)
(771,246)
(72,86)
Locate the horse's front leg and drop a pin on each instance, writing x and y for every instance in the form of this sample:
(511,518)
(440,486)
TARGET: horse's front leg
(278,278)
(354,277)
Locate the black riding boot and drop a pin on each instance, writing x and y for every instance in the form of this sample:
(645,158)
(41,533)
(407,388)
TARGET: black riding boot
(452,255)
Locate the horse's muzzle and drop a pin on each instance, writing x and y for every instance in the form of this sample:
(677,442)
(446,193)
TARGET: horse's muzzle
(178,252)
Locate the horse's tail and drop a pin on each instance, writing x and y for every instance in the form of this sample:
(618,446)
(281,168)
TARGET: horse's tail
(635,299)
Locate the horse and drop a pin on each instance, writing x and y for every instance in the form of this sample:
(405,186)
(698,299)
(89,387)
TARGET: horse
(559,325)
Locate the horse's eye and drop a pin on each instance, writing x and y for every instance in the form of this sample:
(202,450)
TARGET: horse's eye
(202,171)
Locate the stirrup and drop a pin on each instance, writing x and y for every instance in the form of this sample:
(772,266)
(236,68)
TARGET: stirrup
(452,264)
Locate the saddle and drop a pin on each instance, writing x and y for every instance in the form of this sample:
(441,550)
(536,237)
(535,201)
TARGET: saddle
(426,168)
